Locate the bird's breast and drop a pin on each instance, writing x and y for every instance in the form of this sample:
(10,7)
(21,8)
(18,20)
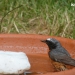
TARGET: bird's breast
(52,55)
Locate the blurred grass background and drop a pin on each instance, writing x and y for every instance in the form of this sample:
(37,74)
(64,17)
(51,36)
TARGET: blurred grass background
(46,17)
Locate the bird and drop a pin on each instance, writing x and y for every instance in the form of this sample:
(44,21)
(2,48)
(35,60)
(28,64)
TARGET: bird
(58,53)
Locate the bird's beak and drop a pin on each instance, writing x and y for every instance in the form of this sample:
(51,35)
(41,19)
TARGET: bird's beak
(43,41)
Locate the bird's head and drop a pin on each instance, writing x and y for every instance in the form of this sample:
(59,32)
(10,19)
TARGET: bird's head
(52,43)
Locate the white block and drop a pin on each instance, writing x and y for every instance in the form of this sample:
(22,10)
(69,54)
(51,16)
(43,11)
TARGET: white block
(13,62)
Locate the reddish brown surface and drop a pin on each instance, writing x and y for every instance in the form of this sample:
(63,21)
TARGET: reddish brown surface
(36,51)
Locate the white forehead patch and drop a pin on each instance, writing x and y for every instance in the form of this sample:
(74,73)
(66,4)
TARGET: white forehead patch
(49,39)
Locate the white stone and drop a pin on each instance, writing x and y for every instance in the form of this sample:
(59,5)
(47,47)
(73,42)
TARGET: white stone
(13,62)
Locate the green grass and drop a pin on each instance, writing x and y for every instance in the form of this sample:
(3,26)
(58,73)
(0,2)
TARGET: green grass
(47,17)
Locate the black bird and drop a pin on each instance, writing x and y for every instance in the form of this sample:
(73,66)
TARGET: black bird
(58,53)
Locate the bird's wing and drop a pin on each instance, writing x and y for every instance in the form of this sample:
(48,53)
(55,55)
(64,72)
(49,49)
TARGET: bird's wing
(59,56)
(62,57)
(63,50)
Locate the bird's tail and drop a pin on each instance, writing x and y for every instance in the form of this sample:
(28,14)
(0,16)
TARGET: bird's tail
(70,62)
